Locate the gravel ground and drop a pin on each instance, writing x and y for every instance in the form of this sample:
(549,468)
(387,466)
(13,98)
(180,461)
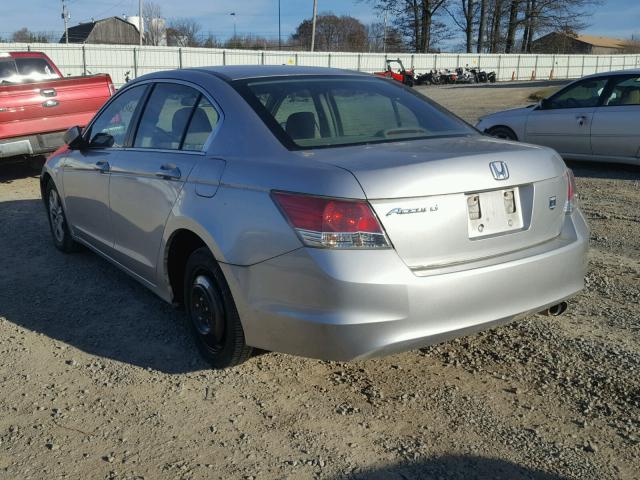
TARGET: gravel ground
(99,379)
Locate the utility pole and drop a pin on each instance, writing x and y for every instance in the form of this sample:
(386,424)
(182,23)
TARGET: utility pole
(65,17)
(140,20)
(233,14)
(279,28)
(313,25)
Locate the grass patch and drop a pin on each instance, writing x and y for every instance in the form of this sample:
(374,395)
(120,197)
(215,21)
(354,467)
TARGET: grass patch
(544,93)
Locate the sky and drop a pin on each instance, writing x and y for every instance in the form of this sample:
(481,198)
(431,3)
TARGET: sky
(616,18)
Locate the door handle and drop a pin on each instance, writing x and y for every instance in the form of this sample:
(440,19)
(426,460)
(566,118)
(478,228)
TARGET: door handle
(169,171)
(51,103)
(48,92)
(102,166)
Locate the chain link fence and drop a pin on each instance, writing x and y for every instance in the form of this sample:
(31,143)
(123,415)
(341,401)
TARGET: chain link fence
(128,60)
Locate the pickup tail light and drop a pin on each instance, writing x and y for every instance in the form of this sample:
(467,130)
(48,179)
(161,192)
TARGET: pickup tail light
(570,204)
(332,223)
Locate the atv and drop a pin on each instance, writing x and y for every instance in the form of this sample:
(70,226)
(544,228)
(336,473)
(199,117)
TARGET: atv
(399,73)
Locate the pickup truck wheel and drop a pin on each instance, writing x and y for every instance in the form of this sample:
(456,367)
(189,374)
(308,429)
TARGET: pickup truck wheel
(58,221)
(503,132)
(213,317)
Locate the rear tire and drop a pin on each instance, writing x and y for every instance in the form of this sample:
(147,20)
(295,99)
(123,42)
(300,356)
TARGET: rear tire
(58,221)
(213,317)
(503,132)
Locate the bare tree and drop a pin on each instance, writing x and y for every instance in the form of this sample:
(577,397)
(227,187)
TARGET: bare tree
(332,33)
(155,28)
(183,32)
(482,25)
(379,41)
(24,35)
(464,15)
(418,18)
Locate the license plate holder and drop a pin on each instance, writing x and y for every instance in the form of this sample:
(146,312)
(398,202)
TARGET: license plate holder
(494,212)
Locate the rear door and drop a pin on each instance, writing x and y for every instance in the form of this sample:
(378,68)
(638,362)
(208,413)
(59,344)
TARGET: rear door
(616,124)
(147,177)
(564,121)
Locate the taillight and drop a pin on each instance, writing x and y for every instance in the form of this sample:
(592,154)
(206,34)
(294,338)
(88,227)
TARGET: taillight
(330,222)
(570,204)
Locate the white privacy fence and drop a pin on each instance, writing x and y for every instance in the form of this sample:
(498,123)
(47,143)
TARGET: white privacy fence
(117,60)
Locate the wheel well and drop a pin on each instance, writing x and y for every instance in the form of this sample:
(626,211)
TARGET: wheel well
(181,245)
(495,127)
(43,184)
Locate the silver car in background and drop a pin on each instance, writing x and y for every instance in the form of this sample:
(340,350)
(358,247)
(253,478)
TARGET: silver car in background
(314,211)
(596,118)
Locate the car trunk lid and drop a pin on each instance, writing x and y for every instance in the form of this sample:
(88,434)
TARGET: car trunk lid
(440,203)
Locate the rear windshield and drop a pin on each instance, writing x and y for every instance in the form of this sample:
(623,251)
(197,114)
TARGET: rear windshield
(23,69)
(313,112)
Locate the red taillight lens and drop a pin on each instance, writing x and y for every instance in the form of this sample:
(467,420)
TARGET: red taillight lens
(570,204)
(330,222)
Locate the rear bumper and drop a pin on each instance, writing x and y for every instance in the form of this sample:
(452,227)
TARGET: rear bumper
(31,144)
(346,305)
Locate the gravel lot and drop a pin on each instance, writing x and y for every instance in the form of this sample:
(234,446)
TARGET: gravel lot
(99,379)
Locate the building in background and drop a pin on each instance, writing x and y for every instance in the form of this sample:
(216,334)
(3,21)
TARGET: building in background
(568,43)
(112,31)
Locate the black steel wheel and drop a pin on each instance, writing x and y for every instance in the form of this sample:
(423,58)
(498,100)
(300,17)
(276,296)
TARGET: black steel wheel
(213,317)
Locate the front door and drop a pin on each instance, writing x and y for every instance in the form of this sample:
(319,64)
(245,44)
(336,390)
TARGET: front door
(147,178)
(86,173)
(563,122)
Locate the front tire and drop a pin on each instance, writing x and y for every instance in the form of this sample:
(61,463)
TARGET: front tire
(503,132)
(58,221)
(213,317)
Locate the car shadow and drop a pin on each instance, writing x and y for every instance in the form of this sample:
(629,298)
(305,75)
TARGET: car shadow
(15,170)
(611,171)
(84,301)
(462,467)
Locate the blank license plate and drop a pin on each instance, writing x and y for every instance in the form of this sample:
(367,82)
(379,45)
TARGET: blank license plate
(495,212)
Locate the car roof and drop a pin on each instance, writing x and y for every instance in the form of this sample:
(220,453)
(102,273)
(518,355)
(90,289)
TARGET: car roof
(631,71)
(238,72)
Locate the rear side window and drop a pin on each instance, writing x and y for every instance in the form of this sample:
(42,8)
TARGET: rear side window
(625,91)
(111,126)
(175,117)
(584,94)
(8,70)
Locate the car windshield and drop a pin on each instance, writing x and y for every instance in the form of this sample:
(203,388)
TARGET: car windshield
(313,112)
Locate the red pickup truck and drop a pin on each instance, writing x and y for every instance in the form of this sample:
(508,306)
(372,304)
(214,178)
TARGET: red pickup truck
(38,104)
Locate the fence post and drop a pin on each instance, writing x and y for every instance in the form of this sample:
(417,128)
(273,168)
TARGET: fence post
(329,59)
(582,74)
(498,69)
(597,63)
(262,57)
(518,68)
(568,64)
(180,57)
(84,60)
(435,61)
(359,61)
(413,61)
(224,57)
(610,62)
(535,68)
(135,63)
(296,58)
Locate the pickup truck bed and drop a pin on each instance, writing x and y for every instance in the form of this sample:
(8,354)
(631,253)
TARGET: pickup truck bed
(35,115)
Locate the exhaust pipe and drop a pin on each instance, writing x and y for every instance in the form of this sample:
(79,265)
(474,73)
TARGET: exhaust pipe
(556,310)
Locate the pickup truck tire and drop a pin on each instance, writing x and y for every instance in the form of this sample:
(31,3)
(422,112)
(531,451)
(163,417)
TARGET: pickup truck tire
(58,221)
(213,317)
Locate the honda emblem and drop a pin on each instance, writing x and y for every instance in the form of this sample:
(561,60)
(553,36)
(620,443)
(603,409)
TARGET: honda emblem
(499,170)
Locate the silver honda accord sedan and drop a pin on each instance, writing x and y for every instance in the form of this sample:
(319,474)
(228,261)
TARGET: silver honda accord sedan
(594,118)
(315,211)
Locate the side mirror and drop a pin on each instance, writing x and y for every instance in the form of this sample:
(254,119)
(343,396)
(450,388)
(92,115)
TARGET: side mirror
(545,104)
(73,138)
(102,140)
